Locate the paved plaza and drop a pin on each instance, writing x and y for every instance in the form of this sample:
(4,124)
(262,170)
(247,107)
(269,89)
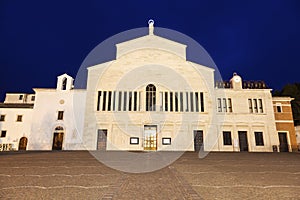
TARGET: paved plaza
(78,175)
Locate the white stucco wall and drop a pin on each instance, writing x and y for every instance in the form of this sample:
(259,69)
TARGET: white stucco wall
(48,103)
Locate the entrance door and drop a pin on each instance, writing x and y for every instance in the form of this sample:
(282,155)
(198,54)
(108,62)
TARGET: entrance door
(58,137)
(198,139)
(150,138)
(23,144)
(283,144)
(243,140)
(57,141)
(102,139)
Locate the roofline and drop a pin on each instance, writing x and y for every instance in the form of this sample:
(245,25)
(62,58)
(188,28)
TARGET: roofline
(54,90)
(17,105)
(287,98)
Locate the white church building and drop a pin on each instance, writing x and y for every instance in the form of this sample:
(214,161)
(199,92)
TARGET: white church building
(149,98)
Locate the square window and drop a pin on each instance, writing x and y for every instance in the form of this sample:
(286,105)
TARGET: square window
(21,97)
(19,118)
(2,118)
(259,138)
(60,115)
(134,140)
(227,138)
(32,98)
(166,141)
(3,133)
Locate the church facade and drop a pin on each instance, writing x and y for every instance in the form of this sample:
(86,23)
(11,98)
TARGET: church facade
(149,98)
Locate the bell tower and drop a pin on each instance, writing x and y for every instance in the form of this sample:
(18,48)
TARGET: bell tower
(64,82)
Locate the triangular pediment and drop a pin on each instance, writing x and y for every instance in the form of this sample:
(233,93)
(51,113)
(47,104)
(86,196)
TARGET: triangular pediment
(153,42)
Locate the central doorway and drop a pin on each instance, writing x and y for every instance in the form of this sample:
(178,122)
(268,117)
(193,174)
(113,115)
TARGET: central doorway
(150,137)
(58,137)
(243,140)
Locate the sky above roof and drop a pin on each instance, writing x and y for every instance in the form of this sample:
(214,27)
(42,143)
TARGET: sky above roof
(39,40)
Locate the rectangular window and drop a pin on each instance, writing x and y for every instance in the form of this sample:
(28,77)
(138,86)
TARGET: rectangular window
(166,101)
(19,118)
(125,101)
(120,101)
(250,105)
(3,133)
(109,101)
(197,101)
(224,105)
(202,101)
(192,101)
(130,101)
(32,98)
(260,105)
(21,97)
(259,140)
(229,105)
(135,101)
(279,109)
(227,138)
(219,105)
(60,115)
(187,101)
(98,101)
(114,101)
(255,105)
(171,101)
(2,118)
(176,101)
(104,101)
(181,101)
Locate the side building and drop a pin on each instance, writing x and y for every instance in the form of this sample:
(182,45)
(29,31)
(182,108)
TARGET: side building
(50,119)
(15,121)
(248,118)
(285,124)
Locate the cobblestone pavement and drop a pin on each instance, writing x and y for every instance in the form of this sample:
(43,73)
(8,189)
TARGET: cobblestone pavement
(78,175)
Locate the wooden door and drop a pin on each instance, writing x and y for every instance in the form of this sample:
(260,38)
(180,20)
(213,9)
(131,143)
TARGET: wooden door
(283,143)
(243,141)
(57,140)
(22,144)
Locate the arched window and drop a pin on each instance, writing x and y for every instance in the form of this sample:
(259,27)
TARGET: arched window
(59,128)
(64,84)
(150,97)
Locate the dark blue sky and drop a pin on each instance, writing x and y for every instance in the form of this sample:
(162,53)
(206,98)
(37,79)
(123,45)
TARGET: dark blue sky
(42,39)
